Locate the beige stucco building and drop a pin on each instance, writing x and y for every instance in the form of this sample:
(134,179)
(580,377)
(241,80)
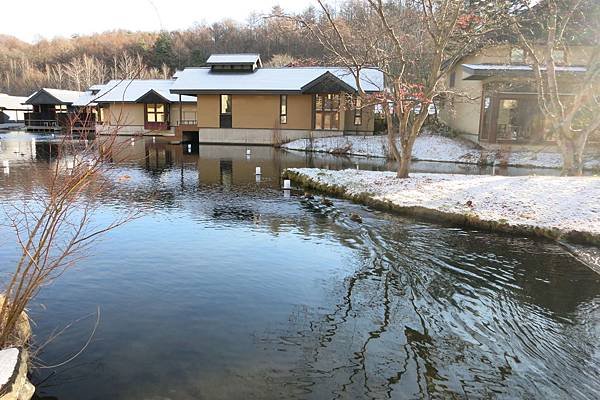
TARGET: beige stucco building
(240,102)
(494,98)
(234,100)
(142,107)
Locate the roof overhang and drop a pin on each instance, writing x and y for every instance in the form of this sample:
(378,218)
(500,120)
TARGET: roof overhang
(478,72)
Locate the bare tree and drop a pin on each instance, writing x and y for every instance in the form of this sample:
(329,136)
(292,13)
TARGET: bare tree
(564,26)
(415,43)
(55,224)
(280,60)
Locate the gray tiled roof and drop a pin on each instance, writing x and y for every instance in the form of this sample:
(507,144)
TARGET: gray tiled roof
(64,96)
(287,79)
(129,91)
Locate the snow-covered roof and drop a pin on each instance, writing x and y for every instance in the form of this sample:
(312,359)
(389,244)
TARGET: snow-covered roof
(232,59)
(285,80)
(484,70)
(88,97)
(62,96)
(131,91)
(13,102)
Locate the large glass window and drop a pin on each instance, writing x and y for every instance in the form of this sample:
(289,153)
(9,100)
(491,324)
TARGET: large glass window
(507,126)
(327,111)
(156,113)
(519,119)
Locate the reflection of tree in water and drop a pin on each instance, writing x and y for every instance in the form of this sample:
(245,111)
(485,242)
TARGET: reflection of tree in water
(407,325)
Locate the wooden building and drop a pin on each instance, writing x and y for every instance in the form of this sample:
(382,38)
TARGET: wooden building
(53,110)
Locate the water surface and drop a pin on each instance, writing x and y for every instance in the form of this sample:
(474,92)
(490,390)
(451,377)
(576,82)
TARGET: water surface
(227,287)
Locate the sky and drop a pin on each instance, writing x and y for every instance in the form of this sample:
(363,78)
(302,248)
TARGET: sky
(34,19)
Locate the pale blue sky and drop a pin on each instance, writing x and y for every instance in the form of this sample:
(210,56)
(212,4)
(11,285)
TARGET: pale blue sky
(30,19)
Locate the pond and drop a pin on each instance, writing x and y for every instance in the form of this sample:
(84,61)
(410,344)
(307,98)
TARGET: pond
(229,288)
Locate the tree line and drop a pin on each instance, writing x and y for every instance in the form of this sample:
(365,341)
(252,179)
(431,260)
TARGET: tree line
(80,61)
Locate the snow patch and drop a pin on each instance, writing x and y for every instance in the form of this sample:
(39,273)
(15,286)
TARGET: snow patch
(435,148)
(559,203)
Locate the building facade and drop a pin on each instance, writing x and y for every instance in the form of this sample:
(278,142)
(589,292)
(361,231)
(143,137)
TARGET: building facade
(53,110)
(495,100)
(240,102)
(143,107)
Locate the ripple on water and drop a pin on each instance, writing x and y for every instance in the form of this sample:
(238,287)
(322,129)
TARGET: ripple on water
(224,288)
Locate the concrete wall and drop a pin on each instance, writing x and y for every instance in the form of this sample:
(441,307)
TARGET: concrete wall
(259,136)
(129,117)
(462,112)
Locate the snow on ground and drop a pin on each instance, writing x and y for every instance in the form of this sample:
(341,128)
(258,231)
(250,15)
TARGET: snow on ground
(435,148)
(563,203)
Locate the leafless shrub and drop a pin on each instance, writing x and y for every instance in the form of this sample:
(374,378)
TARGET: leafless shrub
(54,225)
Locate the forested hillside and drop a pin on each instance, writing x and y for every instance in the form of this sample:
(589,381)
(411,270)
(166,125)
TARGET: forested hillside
(80,61)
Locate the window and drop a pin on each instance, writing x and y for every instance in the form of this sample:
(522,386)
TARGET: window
(358,111)
(60,109)
(225,119)
(225,104)
(517,56)
(327,107)
(283,109)
(156,113)
(452,80)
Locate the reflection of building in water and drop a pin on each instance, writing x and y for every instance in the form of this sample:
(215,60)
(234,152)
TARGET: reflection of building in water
(226,172)
(159,157)
(220,165)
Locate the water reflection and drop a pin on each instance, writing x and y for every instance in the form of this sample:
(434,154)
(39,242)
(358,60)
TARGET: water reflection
(227,289)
